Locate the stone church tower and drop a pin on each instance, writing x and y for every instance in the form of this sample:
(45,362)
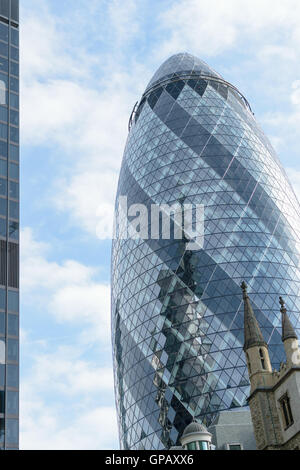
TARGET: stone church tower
(275,396)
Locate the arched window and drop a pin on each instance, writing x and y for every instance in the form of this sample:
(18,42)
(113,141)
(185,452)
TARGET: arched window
(262,358)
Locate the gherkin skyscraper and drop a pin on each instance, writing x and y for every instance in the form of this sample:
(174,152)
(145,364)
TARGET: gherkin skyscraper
(177,315)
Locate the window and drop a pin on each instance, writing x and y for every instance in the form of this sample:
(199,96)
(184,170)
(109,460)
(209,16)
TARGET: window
(3,49)
(2,402)
(13,325)
(2,427)
(14,37)
(12,403)
(12,431)
(3,32)
(286,411)
(192,446)
(2,352)
(3,64)
(235,447)
(14,152)
(262,358)
(248,362)
(13,209)
(13,301)
(3,164)
(2,323)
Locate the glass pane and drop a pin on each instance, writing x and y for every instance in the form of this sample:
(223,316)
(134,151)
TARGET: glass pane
(3,227)
(14,84)
(3,167)
(12,403)
(12,376)
(14,53)
(14,68)
(14,101)
(14,118)
(3,49)
(3,32)
(14,171)
(13,209)
(14,134)
(2,431)
(2,402)
(13,325)
(12,431)
(3,64)
(13,301)
(15,10)
(3,148)
(2,375)
(2,299)
(14,153)
(13,190)
(3,187)
(14,229)
(4,8)
(3,114)
(3,207)
(2,351)
(3,131)
(12,349)
(2,323)
(14,35)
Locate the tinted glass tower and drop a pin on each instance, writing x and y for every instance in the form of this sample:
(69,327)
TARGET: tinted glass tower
(177,315)
(9,224)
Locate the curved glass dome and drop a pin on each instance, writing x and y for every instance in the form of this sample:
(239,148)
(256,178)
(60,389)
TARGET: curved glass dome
(177,315)
(180,64)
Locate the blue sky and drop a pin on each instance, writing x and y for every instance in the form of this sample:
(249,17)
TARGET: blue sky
(84,65)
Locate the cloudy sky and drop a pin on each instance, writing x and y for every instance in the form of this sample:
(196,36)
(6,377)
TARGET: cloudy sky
(84,65)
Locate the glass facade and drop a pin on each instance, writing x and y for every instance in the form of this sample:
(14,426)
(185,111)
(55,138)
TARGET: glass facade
(9,224)
(177,315)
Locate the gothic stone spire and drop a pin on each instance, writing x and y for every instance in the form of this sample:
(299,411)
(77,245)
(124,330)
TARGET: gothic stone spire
(252,333)
(287,327)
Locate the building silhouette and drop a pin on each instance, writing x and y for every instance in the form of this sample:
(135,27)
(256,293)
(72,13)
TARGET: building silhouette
(177,314)
(275,395)
(9,224)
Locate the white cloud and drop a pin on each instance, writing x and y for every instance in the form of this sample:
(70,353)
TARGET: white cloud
(67,289)
(212,27)
(44,428)
(65,399)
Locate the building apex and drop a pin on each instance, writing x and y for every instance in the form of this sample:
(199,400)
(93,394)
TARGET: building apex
(252,333)
(288,331)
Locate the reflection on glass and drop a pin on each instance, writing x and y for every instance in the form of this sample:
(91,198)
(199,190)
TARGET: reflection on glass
(3,227)
(12,349)
(13,301)
(12,376)
(13,229)
(2,402)
(2,299)
(3,207)
(13,190)
(2,323)
(2,428)
(12,403)
(13,325)
(2,352)
(12,431)
(13,209)
(2,375)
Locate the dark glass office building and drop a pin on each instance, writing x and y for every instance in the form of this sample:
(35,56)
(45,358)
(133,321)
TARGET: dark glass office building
(9,224)
(177,315)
